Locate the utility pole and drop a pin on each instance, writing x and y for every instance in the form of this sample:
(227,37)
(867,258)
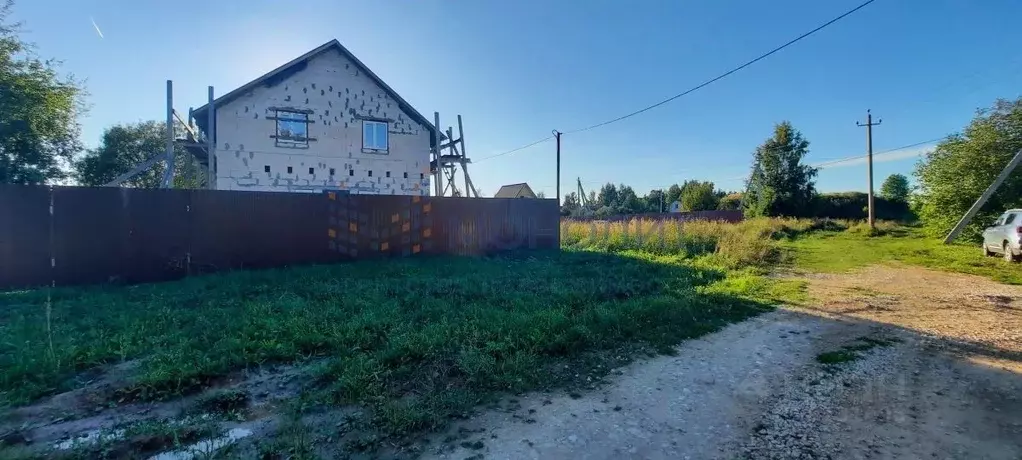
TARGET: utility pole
(168,171)
(210,141)
(557,134)
(436,150)
(869,161)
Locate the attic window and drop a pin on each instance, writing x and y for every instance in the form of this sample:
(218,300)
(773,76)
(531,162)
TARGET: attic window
(292,129)
(374,136)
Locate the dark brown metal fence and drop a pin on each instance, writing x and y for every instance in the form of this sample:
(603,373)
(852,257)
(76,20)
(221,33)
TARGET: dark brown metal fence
(82,235)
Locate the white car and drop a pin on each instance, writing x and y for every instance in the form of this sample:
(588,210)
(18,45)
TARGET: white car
(1004,236)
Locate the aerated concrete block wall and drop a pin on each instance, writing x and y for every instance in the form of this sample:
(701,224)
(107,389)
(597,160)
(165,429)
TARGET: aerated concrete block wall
(338,96)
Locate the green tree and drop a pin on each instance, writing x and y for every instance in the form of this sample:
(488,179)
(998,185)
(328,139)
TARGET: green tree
(608,196)
(960,168)
(895,188)
(628,201)
(698,196)
(673,194)
(730,202)
(656,201)
(38,111)
(123,147)
(780,184)
(570,205)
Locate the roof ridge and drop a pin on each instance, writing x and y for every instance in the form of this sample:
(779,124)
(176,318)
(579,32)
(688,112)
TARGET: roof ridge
(402,103)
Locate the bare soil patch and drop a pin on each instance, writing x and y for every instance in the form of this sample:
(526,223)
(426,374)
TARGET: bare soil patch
(968,313)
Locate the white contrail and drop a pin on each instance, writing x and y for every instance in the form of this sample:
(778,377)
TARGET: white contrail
(100,32)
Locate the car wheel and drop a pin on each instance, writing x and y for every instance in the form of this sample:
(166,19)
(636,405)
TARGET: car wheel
(986,251)
(1008,256)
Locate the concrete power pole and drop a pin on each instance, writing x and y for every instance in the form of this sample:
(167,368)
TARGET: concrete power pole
(869,160)
(557,134)
(983,198)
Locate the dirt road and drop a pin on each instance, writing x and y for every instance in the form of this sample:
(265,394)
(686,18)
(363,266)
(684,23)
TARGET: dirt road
(884,363)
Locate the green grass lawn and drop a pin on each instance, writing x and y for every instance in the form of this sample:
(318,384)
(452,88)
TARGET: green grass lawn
(837,251)
(415,340)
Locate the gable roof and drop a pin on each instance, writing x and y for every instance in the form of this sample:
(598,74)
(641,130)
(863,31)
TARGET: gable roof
(276,75)
(515,191)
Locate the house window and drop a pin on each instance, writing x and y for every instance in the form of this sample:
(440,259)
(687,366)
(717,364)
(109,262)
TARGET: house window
(406,175)
(266,168)
(370,173)
(374,136)
(351,172)
(422,176)
(289,170)
(292,129)
(312,170)
(331,171)
(388,173)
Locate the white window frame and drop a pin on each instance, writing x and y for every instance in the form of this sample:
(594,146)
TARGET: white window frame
(372,143)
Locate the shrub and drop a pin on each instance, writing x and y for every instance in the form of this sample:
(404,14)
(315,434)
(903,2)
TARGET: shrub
(748,243)
(855,206)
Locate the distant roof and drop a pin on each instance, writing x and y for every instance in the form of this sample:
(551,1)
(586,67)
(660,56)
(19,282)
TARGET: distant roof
(515,191)
(300,62)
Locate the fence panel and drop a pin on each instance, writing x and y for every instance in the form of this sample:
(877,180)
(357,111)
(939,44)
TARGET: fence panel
(238,230)
(90,234)
(158,241)
(372,226)
(466,227)
(544,227)
(470,226)
(24,236)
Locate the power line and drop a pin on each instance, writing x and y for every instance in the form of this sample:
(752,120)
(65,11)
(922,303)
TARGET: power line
(514,150)
(817,165)
(693,89)
(889,151)
(729,72)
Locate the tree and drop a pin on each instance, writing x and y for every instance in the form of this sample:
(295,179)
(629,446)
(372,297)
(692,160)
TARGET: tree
(960,168)
(698,196)
(673,194)
(628,201)
(780,184)
(730,202)
(656,201)
(608,196)
(895,188)
(541,194)
(606,211)
(123,147)
(38,111)
(570,205)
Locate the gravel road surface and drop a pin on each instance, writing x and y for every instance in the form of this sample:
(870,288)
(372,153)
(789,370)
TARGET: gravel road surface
(922,364)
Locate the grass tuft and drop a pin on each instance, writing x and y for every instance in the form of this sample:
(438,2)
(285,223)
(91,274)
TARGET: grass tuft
(852,352)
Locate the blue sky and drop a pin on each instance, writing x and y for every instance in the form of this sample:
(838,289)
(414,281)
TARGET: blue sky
(516,70)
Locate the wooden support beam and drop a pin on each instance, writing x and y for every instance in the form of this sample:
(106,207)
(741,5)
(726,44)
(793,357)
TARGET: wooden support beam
(135,171)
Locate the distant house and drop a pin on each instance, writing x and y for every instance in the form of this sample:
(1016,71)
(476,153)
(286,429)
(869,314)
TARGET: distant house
(515,191)
(323,121)
(675,207)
